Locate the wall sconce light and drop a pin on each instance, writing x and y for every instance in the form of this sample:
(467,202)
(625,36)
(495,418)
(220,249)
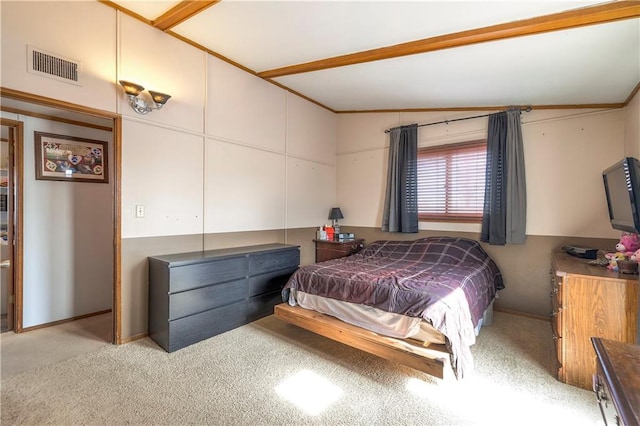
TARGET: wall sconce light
(141,106)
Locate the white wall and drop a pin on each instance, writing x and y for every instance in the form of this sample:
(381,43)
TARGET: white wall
(245,151)
(61,28)
(269,157)
(632,127)
(228,153)
(311,164)
(245,188)
(244,109)
(162,170)
(362,166)
(565,153)
(162,152)
(162,63)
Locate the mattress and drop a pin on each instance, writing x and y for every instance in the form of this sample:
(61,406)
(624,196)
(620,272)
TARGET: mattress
(376,320)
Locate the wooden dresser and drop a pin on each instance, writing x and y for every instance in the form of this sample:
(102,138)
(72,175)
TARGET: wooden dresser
(589,301)
(194,296)
(617,381)
(328,250)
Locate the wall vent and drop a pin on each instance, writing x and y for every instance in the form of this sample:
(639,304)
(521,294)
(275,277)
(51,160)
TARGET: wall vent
(53,66)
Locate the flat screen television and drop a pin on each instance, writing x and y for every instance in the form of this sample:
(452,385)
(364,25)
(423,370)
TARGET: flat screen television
(622,188)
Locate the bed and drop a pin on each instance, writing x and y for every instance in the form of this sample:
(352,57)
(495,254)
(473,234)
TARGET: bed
(416,302)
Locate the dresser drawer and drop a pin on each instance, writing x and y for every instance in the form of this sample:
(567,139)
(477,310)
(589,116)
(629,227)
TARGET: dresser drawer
(204,298)
(558,348)
(556,305)
(274,261)
(199,275)
(267,283)
(557,345)
(556,321)
(603,396)
(329,250)
(194,328)
(262,305)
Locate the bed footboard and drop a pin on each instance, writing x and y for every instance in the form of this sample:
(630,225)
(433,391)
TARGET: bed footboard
(433,360)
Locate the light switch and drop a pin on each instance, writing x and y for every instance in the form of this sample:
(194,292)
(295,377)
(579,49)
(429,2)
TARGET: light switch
(139,211)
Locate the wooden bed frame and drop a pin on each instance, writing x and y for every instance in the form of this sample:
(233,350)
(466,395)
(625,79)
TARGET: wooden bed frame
(433,360)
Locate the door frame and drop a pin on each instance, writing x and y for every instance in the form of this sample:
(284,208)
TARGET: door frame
(116,193)
(14,214)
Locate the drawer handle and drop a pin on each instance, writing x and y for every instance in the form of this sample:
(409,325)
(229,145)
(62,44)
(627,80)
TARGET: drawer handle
(601,397)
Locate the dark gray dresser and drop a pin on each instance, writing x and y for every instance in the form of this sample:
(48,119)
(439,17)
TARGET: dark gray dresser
(193,296)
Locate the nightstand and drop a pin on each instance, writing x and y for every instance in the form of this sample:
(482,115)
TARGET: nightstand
(328,250)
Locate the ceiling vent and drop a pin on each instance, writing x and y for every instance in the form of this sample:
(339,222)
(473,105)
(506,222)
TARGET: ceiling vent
(53,66)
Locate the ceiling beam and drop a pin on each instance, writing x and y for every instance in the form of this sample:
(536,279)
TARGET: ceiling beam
(600,14)
(181,12)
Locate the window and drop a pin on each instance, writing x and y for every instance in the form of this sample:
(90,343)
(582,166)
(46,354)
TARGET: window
(451,181)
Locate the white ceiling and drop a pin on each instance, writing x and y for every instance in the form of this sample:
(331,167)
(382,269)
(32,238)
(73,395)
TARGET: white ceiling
(589,65)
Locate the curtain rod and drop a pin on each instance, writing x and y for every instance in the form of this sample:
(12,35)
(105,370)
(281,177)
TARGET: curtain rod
(527,109)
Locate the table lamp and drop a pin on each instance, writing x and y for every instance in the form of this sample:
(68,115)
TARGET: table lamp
(334,215)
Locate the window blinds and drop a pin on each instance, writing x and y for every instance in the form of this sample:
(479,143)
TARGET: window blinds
(451,182)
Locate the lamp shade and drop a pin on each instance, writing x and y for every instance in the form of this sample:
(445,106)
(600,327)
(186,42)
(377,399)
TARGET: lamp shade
(335,213)
(159,98)
(130,88)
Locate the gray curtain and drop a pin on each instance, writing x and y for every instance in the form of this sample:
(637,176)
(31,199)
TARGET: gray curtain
(401,200)
(505,197)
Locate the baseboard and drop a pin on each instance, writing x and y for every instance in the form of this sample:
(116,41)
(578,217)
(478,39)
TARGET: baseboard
(49,324)
(133,338)
(521,314)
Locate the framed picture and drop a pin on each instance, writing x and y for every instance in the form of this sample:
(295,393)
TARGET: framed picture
(67,158)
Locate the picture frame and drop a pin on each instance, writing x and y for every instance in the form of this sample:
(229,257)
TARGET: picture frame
(71,159)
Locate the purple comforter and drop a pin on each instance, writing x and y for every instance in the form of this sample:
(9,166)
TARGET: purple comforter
(446,281)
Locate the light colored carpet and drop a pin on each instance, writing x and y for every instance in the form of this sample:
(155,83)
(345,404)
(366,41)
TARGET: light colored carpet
(50,345)
(269,372)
